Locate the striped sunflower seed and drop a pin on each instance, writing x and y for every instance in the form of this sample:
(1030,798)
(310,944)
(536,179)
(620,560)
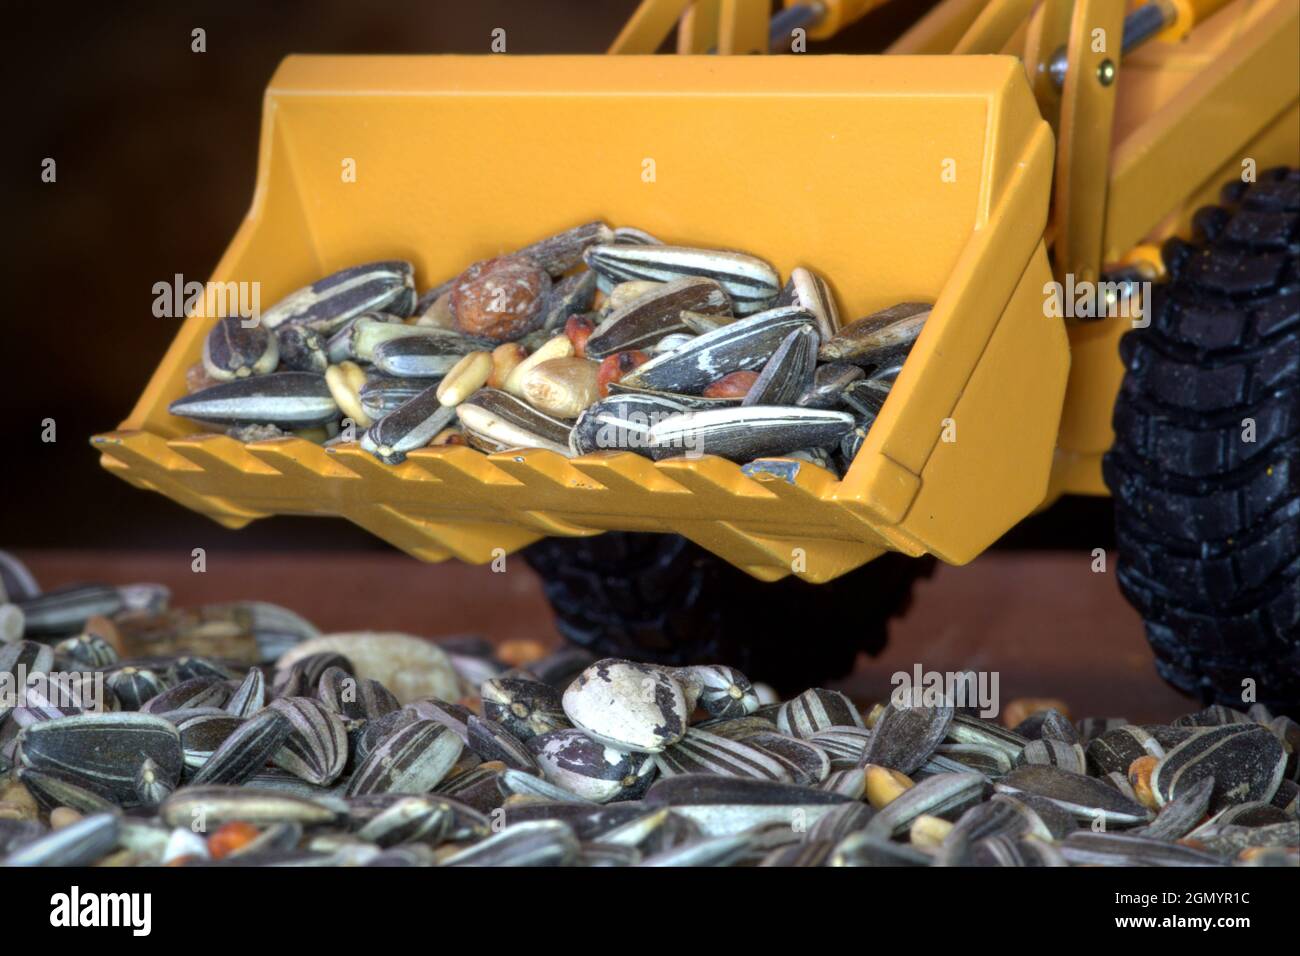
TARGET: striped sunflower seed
(723,692)
(810,291)
(500,421)
(701,752)
(524,707)
(743,345)
(751,283)
(540,843)
(102,752)
(1246,761)
(905,736)
(743,434)
(723,805)
(788,372)
(81,844)
(215,805)
(287,400)
(1087,798)
(492,742)
(410,426)
(66,610)
(563,251)
(248,749)
(572,760)
(234,350)
(412,760)
(388,286)
(815,710)
(316,749)
(422,352)
(829,383)
(880,339)
(946,795)
(649,318)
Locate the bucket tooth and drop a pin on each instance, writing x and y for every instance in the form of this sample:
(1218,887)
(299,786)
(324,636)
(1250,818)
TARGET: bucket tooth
(530,466)
(628,475)
(302,459)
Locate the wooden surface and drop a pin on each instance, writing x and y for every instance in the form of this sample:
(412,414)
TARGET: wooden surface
(1043,621)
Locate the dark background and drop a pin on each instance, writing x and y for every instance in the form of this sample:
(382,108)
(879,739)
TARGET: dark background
(156,149)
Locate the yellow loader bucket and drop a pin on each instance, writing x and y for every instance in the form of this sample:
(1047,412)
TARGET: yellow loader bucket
(898,179)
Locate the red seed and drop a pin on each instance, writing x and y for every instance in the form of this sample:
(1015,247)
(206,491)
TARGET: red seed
(735,385)
(614,367)
(229,837)
(579,328)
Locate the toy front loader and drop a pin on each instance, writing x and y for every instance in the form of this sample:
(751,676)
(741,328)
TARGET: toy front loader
(920,177)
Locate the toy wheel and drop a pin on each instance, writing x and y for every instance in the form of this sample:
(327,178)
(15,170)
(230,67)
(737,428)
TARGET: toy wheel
(660,598)
(1205,468)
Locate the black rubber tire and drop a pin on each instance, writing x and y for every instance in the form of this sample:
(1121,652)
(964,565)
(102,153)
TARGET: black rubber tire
(1208,524)
(662,599)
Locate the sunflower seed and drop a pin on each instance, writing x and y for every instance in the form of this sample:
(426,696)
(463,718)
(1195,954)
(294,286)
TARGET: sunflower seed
(726,805)
(215,805)
(589,769)
(202,731)
(621,422)
(570,296)
(246,750)
(868,848)
(810,291)
(816,710)
(723,850)
(66,610)
(563,251)
(1122,849)
(424,352)
(408,819)
(524,707)
(316,748)
(379,396)
(491,741)
(301,349)
(152,785)
(701,752)
(1054,753)
(650,317)
(355,698)
(1245,760)
(86,650)
(412,425)
(1088,799)
(25,656)
(503,421)
(412,760)
(1117,748)
(235,350)
(1231,840)
(250,696)
(943,795)
(103,751)
(388,286)
(805,762)
(288,400)
(302,677)
(189,695)
(627,706)
(844,745)
(80,844)
(453,716)
(742,434)
(540,843)
(751,283)
(828,385)
(880,339)
(904,736)
(723,692)
(743,345)
(788,372)
(53,790)
(737,728)
(966,729)
(985,759)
